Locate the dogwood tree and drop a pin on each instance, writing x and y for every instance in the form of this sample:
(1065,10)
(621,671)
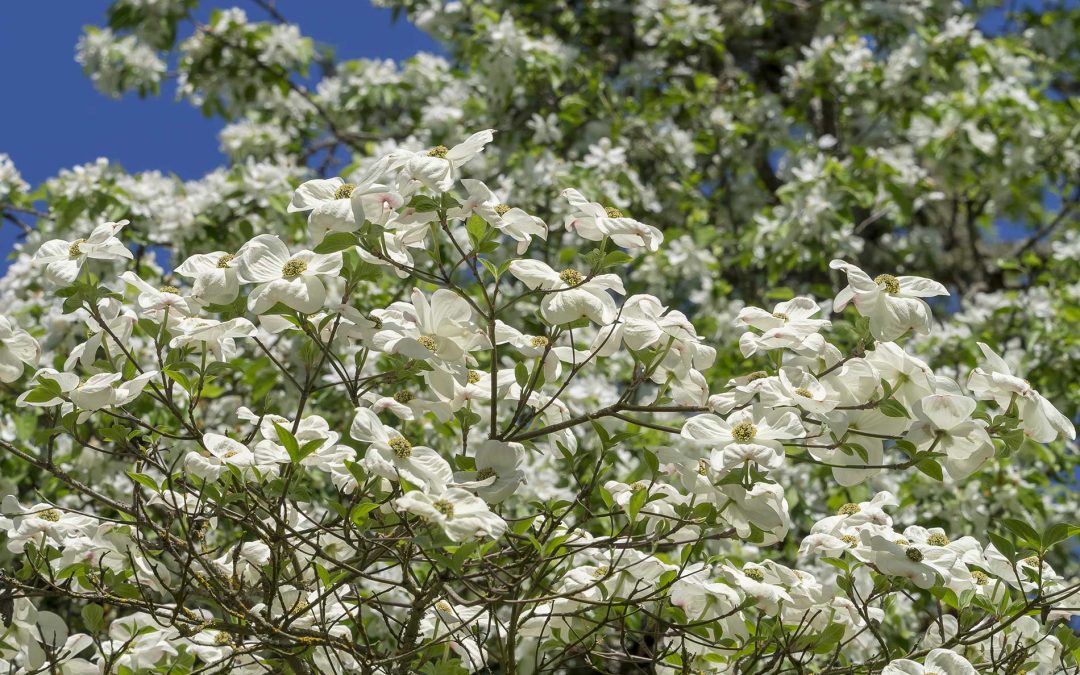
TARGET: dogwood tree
(652,337)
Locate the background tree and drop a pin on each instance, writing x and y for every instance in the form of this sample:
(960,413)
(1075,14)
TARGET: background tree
(763,139)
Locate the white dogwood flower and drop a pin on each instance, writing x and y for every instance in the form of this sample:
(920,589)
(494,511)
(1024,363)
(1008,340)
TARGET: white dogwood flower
(63,260)
(937,662)
(568,296)
(296,281)
(945,424)
(214,276)
(594,221)
(438,168)
(459,513)
(994,381)
(393,457)
(894,305)
(17,350)
(750,435)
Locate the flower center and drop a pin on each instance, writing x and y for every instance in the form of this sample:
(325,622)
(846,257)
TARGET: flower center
(293,268)
(443,606)
(850,539)
(937,539)
(743,432)
(222,639)
(1033,561)
(403,396)
(444,507)
(473,377)
(754,573)
(402,448)
(223,261)
(913,554)
(891,284)
(428,342)
(638,487)
(780,315)
(74,250)
(51,515)
(169,289)
(848,509)
(613,212)
(501,209)
(601,572)
(702,467)
(804,392)
(485,473)
(344,191)
(539,342)
(376,322)
(756,375)
(439,151)
(903,542)
(571,277)
(979,577)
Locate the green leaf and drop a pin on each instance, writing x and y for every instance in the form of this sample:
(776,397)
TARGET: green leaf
(893,408)
(930,468)
(637,500)
(289,441)
(93,616)
(1022,530)
(144,480)
(336,241)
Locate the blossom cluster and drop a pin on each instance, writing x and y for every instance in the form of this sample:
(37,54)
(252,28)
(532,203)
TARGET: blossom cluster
(306,462)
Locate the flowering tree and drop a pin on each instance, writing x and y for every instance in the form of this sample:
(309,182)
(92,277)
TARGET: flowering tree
(642,416)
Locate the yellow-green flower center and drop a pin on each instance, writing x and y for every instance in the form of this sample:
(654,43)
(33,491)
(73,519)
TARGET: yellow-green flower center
(891,284)
(222,639)
(501,209)
(443,606)
(849,509)
(51,515)
(473,377)
(743,432)
(613,212)
(402,447)
(403,396)
(601,572)
(979,577)
(444,507)
(756,375)
(344,191)
(293,268)
(223,261)
(754,573)
(571,277)
(485,473)
(428,342)
(804,392)
(702,467)
(850,539)
(780,315)
(539,342)
(937,539)
(74,250)
(439,151)
(913,554)
(1033,561)
(169,289)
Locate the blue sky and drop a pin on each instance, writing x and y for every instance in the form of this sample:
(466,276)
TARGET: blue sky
(52,117)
